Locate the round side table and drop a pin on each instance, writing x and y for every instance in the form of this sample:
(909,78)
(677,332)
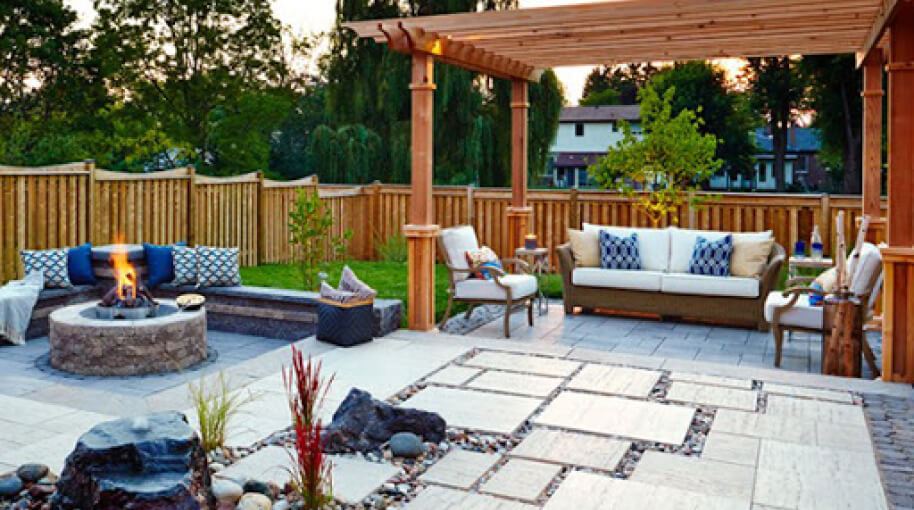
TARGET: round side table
(539,263)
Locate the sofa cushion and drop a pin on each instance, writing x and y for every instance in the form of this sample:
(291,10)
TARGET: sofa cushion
(749,256)
(617,278)
(79,265)
(711,258)
(619,252)
(801,314)
(585,246)
(682,242)
(457,241)
(694,284)
(653,244)
(522,285)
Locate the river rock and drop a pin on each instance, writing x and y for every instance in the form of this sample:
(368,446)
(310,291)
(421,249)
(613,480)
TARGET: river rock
(258,487)
(10,485)
(255,501)
(226,490)
(363,424)
(31,473)
(118,466)
(406,444)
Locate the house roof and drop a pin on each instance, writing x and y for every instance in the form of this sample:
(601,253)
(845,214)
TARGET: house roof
(600,113)
(575,159)
(798,140)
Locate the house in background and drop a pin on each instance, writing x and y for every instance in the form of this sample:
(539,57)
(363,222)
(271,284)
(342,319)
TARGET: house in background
(584,134)
(802,169)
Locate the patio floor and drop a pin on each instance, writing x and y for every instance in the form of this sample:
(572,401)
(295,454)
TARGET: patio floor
(572,426)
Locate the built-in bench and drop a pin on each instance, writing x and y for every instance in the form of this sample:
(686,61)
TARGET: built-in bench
(260,311)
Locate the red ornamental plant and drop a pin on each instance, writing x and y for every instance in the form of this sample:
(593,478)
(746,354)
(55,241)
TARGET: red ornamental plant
(310,471)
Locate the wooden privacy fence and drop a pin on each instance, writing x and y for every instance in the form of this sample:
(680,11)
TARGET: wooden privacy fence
(66,205)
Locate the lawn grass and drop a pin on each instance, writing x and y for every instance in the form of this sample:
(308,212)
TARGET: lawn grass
(389,278)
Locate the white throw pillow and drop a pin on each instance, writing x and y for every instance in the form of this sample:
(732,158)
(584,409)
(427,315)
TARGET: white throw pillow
(217,267)
(682,243)
(653,244)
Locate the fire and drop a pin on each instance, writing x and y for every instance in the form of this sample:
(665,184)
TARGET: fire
(124,274)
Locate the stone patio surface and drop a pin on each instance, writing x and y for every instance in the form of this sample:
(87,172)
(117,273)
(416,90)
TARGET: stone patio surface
(583,428)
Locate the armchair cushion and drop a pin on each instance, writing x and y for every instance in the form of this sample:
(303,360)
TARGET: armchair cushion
(867,268)
(457,241)
(802,314)
(522,285)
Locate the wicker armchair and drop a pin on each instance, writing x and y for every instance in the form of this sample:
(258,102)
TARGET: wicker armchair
(503,288)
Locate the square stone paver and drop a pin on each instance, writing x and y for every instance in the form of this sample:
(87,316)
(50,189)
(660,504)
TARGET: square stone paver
(712,380)
(842,397)
(459,468)
(523,363)
(521,479)
(724,447)
(792,429)
(441,498)
(617,416)
(717,396)
(816,410)
(695,475)
(590,491)
(453,375)
(478,410)
(815,478)
(521,384)
(572,448)
(631,382)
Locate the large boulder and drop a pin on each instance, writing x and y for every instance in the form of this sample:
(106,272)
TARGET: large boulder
(363,424)
(153,462)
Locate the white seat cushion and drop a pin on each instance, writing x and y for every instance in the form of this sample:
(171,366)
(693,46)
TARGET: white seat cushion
(457,242)
(867,265)
(701,285)
(682,244)
(800,315)
(617,278)
(522,285)
(653,244)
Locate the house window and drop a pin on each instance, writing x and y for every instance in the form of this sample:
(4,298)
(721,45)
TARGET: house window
(799,166)
(579,129)
(614,126)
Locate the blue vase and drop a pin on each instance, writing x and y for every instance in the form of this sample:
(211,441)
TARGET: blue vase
(799,249)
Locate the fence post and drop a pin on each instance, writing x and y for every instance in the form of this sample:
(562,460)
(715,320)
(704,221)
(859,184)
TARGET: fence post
(574,213)
(825,222)
(191,206)
(374,221)
(90,201)
(261,213)
(693,214)
(470,206)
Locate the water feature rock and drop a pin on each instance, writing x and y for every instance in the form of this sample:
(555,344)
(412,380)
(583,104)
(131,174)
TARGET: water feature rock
(363,424)
(32,472)
(406,444)
(226,490)
(255,501)
(116,466)
(258,487)
(10,485)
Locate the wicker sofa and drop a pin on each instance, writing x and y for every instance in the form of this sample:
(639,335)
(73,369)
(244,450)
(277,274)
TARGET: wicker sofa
(664,286)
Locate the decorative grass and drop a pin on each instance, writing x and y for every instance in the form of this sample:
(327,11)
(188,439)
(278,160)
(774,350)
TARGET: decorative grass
(215,406)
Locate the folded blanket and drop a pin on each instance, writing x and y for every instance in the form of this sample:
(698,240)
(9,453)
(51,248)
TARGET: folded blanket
(351,283)
(17,299)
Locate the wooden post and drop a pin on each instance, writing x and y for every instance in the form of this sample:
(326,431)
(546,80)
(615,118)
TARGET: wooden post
(421,231)
(898,258)
(872,145)
(90,202)
(575,214)
(191,206)
(470,206)
(374,232)
(261,215)
(824,225)
(518,213)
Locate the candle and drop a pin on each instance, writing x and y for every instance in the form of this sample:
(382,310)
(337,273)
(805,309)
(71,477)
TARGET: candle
(530,241)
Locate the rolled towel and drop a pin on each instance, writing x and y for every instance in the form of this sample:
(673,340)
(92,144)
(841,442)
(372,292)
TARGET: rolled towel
(349,282)
(340,296)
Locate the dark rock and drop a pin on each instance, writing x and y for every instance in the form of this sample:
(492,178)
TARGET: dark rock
(258,487)
(406,444)
(363,424)
(10,485)
(151,463)
(32,472)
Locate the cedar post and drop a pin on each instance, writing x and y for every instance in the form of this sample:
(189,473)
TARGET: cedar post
(898,257)
(421,231)
(261,214)
(872,145)
(575,213)
(191,206)
(90,202)
(518,213)
(373,222)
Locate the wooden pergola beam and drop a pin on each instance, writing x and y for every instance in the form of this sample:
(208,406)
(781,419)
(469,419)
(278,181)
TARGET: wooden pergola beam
(887,11)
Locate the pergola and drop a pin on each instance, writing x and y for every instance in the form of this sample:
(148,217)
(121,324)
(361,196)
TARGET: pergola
(518,44)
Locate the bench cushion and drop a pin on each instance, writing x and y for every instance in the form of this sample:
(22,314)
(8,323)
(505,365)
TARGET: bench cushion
(522,285)
(653,244)
(730,286)
(617,278)
(801,314)
(682,244)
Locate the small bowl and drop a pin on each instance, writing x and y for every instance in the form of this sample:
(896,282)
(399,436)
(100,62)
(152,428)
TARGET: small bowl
(190,301)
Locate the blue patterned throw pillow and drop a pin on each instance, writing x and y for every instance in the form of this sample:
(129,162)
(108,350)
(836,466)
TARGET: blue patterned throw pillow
(619,252)
(217,267)
(53,263)
(185,264)
(711,258)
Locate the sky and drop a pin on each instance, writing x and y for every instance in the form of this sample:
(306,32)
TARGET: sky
(313,16)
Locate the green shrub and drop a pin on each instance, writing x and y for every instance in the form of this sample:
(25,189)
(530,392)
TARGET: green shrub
(391,249)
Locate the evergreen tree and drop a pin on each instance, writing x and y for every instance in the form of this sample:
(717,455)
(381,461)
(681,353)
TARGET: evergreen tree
(616,85)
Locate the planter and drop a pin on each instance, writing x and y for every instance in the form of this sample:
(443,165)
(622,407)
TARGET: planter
(345,324)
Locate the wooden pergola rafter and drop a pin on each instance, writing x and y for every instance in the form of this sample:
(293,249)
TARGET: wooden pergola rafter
(519,44)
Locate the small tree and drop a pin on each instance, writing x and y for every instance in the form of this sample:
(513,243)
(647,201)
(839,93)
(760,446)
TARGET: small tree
(310,228)
(663,168)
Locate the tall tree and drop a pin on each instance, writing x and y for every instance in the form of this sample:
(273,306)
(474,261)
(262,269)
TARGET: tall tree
(776,92)
(608,85)
(834,87)
(702,88)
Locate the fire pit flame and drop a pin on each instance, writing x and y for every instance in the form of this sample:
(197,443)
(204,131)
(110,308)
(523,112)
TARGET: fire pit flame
(128,299)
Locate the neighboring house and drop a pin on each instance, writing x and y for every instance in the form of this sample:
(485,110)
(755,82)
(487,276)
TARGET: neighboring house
(802,168)
(584,134)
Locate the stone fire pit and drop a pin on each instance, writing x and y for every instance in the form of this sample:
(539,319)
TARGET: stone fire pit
(83,344)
